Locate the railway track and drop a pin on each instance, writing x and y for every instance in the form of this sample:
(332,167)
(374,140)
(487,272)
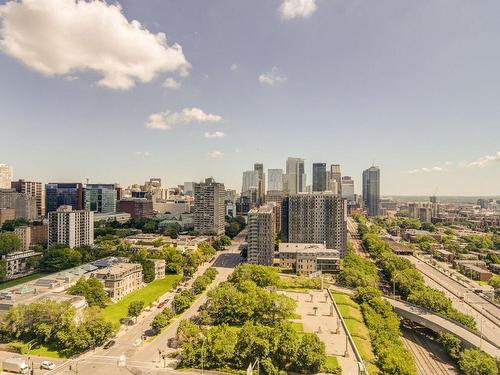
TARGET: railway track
(426,361)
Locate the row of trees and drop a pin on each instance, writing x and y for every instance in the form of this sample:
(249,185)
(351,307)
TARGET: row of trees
(470,361)
(183,300)
(357,271)
(278,347)
(385,335)
(409,282)
(55,325)
(234,225)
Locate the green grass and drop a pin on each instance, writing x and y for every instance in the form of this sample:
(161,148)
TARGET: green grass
(364,348)
(344,299)
(349,312)
(353,318)
(298,327)
(150,293)
(39,350)
(357,329)
(21,280)
(332,361)
(43,351)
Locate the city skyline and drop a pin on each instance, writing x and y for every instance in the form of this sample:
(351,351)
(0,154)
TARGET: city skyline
(405,95)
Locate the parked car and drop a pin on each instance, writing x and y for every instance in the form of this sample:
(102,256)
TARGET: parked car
(109,344)
(15,365)
(48,365)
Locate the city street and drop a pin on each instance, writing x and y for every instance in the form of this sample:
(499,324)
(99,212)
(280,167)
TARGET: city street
(144,358)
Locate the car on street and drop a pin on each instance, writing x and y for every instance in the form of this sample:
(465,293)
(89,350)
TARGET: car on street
(109,344)
(48,365)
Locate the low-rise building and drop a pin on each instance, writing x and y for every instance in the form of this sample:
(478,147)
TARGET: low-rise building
(159,268)
(121,217)
(19,263)
(308,258)
(120,279)
(445,255)
(475,272)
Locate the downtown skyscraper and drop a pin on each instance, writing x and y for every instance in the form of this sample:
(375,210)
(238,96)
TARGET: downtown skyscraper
(275,180)
(371,191)
(295,176)
(319,177)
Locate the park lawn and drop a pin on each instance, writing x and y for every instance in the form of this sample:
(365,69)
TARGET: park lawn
(353,318)
(357,329)
(365,349)
(344,299)
(150,293)
(43,351)
(38,350)
(21,280)
(349,312)
(332,361)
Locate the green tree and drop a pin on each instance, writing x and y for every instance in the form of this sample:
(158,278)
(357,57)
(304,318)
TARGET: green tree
(182,301)
(59,257)
(9,243)
(310,355)
(93,291)
(476,362)
(135,309)
(452,344)
(10,225)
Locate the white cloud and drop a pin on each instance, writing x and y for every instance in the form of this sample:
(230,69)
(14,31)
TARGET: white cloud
(71,78)
(145,154)
(57,37)
(172,84)
(483,161)
(233,67)
(272,77)
(216,154)
(297,8)
(165,120)
(215,135)
(425,170)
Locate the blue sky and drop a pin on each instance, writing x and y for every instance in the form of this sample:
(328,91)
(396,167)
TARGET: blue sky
(413,86)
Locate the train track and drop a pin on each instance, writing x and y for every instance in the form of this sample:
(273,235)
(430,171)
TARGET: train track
(425,360)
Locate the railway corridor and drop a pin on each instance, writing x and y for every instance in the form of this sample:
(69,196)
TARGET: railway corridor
(430,358)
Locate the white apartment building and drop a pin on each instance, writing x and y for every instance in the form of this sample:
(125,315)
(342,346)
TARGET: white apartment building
(73,228)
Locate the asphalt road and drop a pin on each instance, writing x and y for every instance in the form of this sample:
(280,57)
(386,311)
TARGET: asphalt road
(144,358)
(464,300)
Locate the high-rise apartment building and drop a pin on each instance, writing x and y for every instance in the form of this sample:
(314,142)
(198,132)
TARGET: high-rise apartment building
(250,181)
(371,191)
(261,231)
(23,204)
(5,176)
(33,189)
(63,194)
(319,177)
(277,197)
(73,228)
(347,188)
(100,198)
(261,182)
(317,218)
(295,176)
(335,181)
(275,180)
(208,209)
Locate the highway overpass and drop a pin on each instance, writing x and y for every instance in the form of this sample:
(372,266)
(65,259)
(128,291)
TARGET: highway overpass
(440,324)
